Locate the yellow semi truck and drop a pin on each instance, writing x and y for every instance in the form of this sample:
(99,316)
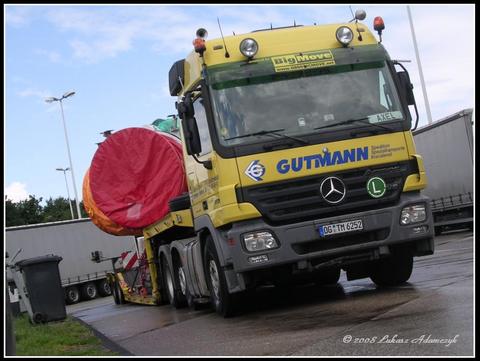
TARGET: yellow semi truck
(300,162)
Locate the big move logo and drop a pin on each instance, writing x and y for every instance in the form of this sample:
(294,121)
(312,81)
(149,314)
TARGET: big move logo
(255,170)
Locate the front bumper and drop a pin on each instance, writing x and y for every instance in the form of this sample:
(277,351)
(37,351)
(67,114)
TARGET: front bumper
(301,242)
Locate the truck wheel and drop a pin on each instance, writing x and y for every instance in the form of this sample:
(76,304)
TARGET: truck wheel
(175,297)
(72,295)
(393,270)
(224,303)
(104,288)
(89,291)
(438,230)
(329,276)
(180,284)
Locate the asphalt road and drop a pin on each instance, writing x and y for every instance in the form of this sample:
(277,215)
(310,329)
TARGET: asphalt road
(430,315)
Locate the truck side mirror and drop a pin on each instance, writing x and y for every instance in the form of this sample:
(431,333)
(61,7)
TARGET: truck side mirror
(189,126)
(406,86)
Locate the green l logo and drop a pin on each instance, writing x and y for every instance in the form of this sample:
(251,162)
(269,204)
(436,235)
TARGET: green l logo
(376,187)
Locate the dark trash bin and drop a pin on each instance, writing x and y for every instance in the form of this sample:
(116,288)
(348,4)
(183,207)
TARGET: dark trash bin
(44,288)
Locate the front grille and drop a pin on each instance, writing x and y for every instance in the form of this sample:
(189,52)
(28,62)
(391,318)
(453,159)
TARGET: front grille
(300,199)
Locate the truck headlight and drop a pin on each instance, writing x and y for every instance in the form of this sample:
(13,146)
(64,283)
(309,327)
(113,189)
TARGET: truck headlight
(248,47)
(344,35)
(259,241)
(413,214)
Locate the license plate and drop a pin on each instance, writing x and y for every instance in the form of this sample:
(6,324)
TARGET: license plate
(343,227)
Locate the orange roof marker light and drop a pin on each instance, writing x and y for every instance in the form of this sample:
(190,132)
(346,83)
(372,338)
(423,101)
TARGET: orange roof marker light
(199,42)
(379,25)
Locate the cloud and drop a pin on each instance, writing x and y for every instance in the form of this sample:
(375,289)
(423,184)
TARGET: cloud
(102,33)
(17,16)
(40,96)
(51,55)
(33,92)
(16,192)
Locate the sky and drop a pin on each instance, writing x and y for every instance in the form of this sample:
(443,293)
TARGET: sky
(117,58)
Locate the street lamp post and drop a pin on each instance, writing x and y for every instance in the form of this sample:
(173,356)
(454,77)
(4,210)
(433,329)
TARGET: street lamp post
(53,99)
(420,72)
(68,192)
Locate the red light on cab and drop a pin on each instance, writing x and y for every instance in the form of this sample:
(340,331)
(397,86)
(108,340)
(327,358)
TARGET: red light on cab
(199,45)
(378,24)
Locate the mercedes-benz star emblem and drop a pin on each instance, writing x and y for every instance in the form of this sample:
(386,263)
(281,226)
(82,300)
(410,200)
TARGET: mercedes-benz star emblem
(332,190)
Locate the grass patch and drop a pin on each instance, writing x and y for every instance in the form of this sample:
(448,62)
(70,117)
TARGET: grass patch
(61,338)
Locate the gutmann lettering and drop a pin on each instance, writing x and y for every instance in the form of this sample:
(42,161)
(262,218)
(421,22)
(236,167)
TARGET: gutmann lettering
(318,160)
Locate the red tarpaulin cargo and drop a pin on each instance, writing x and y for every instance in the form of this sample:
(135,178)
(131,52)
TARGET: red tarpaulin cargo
(133,175)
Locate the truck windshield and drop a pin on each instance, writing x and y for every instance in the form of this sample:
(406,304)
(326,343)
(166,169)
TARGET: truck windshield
(301,103)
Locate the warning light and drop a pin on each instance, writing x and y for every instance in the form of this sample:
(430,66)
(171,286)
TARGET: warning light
(379,25)
(199,42)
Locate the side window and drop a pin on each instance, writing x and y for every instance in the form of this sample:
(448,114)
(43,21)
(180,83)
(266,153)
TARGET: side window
(202,124)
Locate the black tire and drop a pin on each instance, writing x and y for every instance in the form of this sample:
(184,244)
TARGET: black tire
(103,288)
(115,295)
(118,296)
(438,230)
(329,276)
(89,291)
(222,301)
(392,271)
(72,295)
(180,202)
(191,301)
(173,293)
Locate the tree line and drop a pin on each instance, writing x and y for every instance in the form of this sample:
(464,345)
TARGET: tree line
(30,211)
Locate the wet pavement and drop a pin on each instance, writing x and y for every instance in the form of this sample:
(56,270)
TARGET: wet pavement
(430,315)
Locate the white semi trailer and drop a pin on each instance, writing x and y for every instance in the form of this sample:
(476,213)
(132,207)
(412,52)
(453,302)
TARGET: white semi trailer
(447,148)
(74,241)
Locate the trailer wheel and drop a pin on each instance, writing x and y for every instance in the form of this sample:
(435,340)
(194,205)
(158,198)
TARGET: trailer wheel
(104,288)
(223,302)
(329,276)
(72,295)
(118,296)
(392,271)
(89,291)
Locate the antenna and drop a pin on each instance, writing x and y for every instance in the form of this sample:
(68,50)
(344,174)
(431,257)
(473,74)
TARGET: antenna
(353,16)
(227,55)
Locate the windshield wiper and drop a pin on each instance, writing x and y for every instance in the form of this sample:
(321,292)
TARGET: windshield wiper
(270,132)
(361,120)
(261,132)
